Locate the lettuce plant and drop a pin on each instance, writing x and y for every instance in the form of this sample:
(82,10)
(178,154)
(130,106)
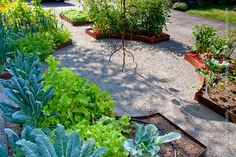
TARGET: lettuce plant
(147,141)
(108,133)
(26,90)
(75,98)
(35,143)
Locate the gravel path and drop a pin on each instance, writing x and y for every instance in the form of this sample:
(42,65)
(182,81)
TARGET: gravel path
(163,82)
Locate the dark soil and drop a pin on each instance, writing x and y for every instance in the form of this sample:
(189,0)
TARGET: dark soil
(185,147)
(224,93)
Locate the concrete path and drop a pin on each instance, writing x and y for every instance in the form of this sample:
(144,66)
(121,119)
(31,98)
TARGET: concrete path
(163,82)
(181,24)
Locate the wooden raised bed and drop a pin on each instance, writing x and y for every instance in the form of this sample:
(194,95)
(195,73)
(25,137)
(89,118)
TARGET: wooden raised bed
(128,36)
(74,23)
(201,95)
(67,43)
(186,146)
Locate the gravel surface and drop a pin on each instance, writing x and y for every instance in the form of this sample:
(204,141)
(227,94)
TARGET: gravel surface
(163,82)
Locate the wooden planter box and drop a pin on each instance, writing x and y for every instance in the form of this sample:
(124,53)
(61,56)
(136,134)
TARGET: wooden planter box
(67,43)
(128,36)
(186,146)
(74,23)
(201,96)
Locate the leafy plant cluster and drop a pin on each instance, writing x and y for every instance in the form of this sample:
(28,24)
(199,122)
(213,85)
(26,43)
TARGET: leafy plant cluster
(108,133)
(74,15)
(148,16)
(75,98)
(35,143)
(32,24)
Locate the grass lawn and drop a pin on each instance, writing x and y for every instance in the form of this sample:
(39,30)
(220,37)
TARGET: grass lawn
(215,12)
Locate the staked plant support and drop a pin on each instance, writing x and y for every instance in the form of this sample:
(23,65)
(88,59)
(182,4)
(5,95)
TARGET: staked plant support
(122,47)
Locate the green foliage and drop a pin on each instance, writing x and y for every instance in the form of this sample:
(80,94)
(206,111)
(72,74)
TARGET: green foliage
(202,35)
(35,143)
(150,16)
(41,44)
(147,141)
(27,91)
(106,16)
(75,98)
(74,15)
(31,29)
(107,133)
(3,152)
(181,6)
(60,36)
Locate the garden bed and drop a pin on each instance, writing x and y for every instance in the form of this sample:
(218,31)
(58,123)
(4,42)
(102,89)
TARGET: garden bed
(186,146)
(75,23)
(128,36)
(62,45)
(219,94)
(220,97)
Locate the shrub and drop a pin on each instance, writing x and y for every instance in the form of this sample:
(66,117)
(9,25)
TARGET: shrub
(75,98)
(150,17)
(181,6)
(202,35)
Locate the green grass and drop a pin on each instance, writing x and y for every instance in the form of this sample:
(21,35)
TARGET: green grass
(215,12)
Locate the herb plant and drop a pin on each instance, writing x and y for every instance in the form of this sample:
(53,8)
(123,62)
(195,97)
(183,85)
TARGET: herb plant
(26,90)
(108,133)
(75,98)
(147,141)
(35,143)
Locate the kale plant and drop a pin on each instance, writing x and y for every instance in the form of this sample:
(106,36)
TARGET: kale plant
(26,90)
(147,141)
(35,143)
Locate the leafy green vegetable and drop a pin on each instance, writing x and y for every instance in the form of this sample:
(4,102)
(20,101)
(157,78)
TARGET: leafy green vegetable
(38,43)
(107,133)
(147,141)
(74,15)
(27,90)
(75,98)
(35,143)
